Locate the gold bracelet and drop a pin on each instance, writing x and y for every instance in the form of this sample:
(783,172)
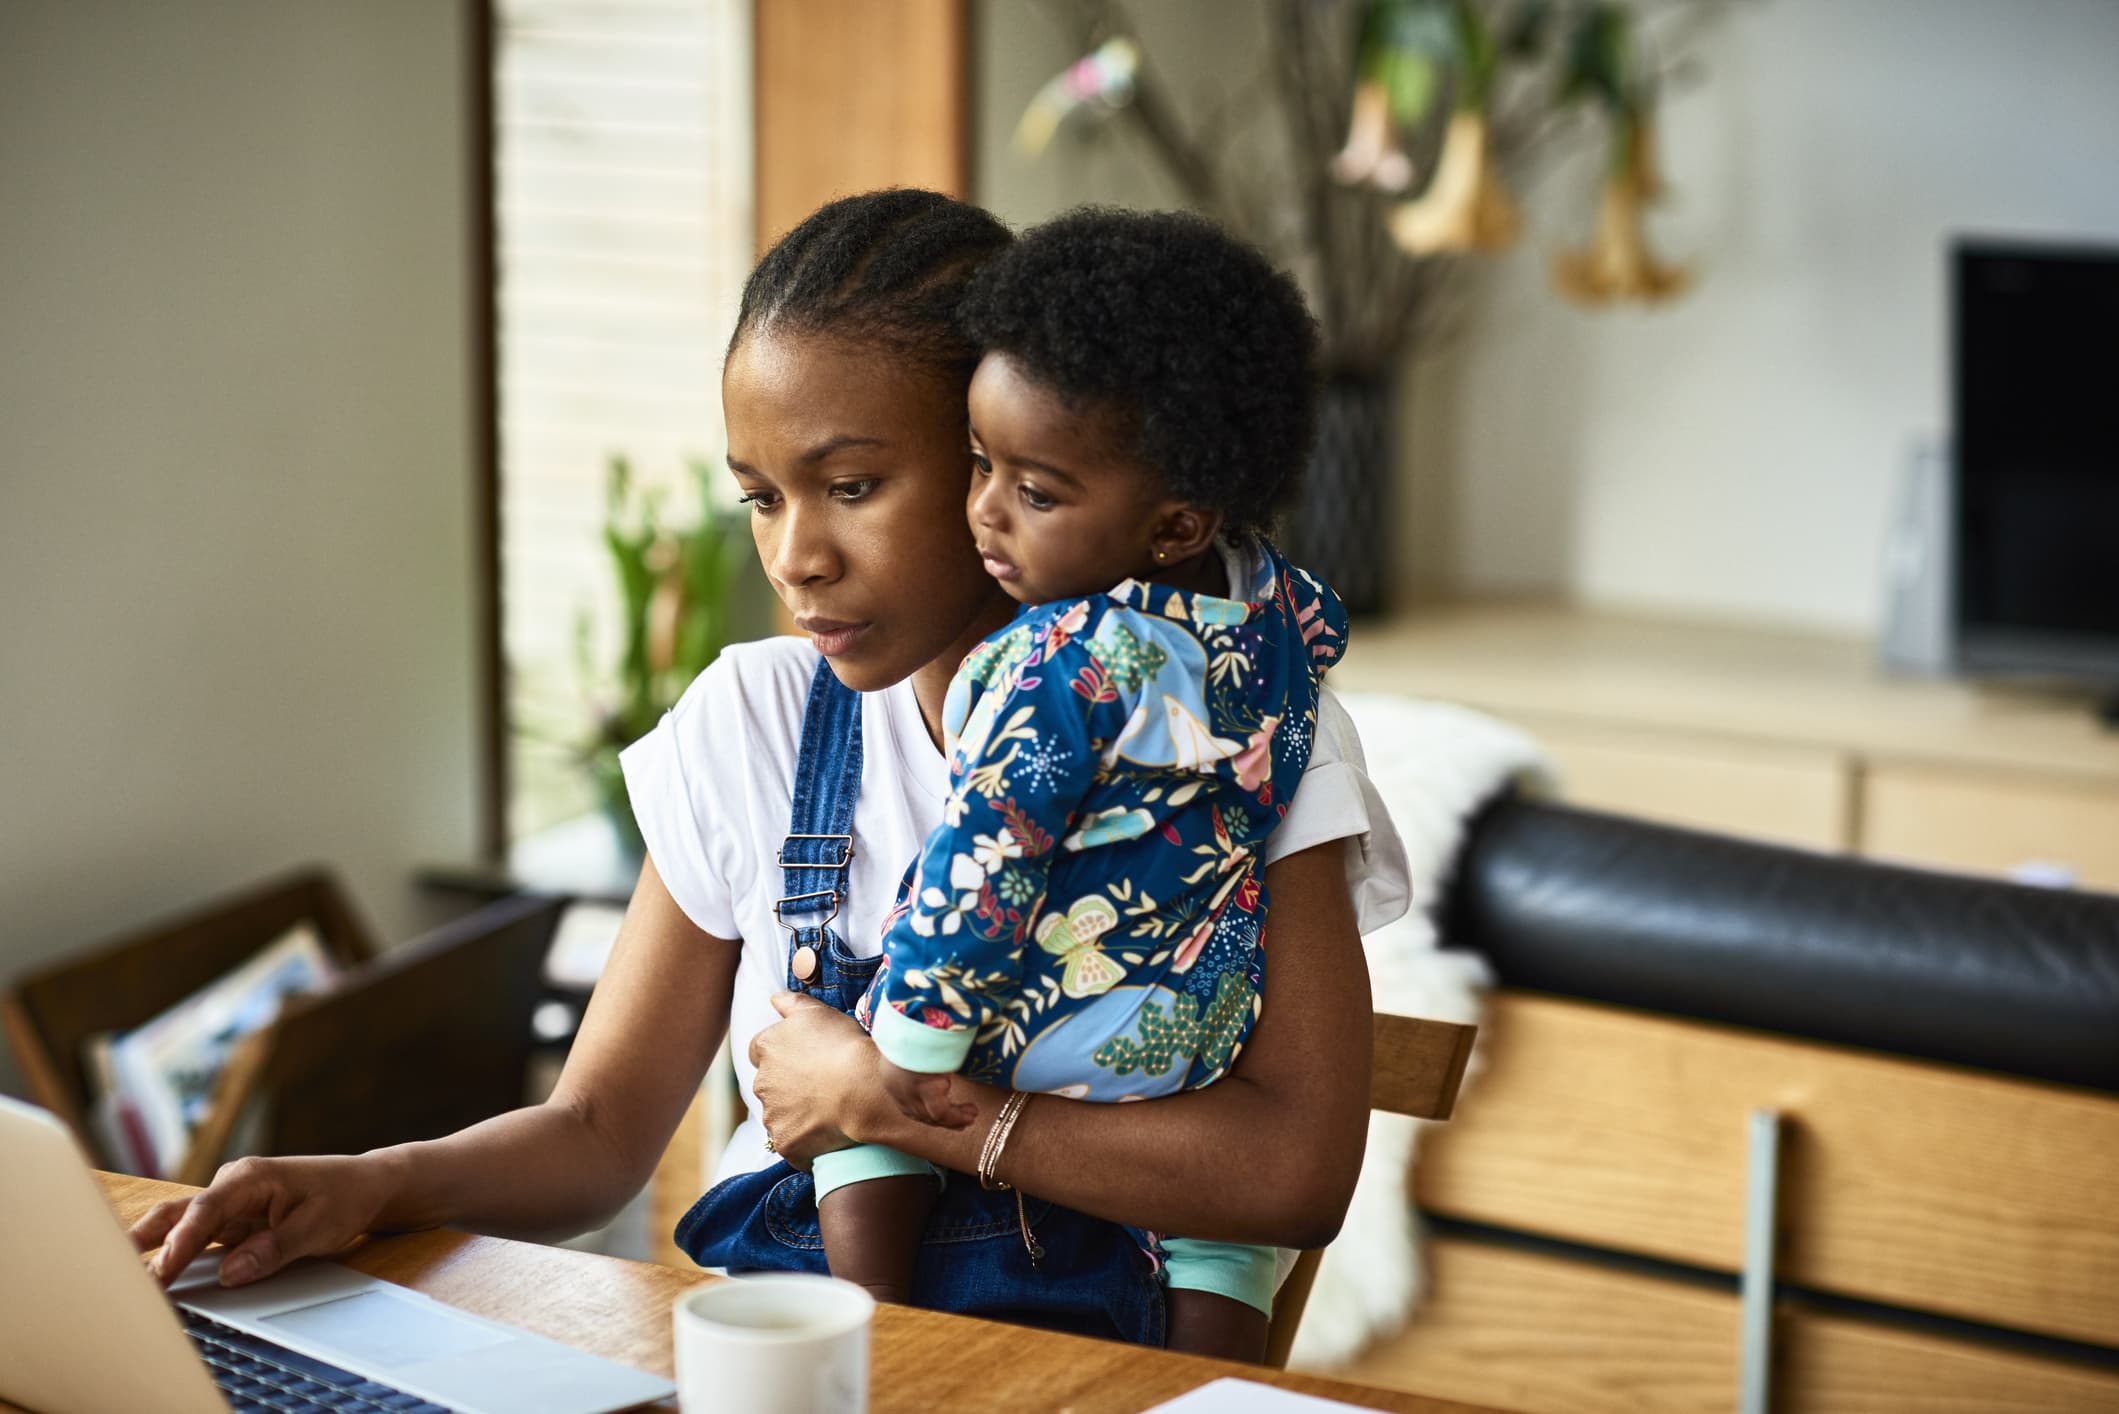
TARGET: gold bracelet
(997,1139)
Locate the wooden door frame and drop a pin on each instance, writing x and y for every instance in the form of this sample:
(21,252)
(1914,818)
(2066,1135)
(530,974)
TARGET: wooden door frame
(848,95)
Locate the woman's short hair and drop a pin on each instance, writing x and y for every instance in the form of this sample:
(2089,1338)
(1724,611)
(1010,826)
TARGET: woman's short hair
(1175,324)
(886,267)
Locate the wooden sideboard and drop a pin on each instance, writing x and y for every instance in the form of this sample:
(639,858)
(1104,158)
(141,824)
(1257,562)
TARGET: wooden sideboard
(1945,1238)
(1791,737)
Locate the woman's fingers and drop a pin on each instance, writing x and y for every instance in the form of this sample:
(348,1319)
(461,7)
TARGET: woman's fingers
(794,1099)
(305,1231)
(944,1114)
(239,1194)
(154,1225)
(788,1003)
(813,1025)
(934,1106)
(265,1213)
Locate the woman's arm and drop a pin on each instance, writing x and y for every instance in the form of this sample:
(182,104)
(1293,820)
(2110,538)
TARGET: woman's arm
(658,1015)
(654,1022)
(1268,1154)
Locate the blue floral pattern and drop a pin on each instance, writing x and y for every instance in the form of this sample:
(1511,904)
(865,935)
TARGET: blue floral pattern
(1088,918)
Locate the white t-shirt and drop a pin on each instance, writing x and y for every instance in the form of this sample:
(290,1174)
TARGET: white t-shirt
(713,783)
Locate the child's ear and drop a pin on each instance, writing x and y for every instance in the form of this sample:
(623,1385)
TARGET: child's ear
(1182,531)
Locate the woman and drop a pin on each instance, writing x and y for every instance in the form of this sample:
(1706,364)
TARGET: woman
(844,394)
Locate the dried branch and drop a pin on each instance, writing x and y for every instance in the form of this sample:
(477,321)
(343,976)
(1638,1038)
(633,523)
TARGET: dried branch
(1153,116)
(1373,302)
(1312,178)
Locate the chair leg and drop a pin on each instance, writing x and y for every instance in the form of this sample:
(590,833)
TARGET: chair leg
(1288,1302)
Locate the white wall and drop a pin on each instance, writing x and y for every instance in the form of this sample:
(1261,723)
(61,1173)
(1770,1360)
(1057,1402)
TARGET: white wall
(1734,454)
(235,416)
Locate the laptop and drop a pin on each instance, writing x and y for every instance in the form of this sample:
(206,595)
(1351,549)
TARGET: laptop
(85,1330)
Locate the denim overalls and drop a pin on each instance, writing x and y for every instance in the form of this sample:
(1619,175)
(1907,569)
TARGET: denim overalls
(1097,1278)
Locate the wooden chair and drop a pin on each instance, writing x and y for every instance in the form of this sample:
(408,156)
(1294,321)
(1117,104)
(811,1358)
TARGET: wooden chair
(49,1014)
(415,1044)
(409,1045)
(1417,1069)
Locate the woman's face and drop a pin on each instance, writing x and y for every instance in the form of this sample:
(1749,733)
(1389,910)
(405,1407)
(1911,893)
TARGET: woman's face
(855,466)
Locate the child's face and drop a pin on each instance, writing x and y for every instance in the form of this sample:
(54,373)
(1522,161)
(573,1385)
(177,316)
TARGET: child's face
(1058,506)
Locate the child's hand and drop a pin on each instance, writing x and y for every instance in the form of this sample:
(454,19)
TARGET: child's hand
(925,1097)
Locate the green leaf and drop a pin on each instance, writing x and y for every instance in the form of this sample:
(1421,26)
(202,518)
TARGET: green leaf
(654,555)
(1476,55)
(1417,27)
(1599,57)
(1411,80)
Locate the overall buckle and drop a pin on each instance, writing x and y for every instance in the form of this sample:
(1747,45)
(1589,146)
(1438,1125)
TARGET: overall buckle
(780,906)
(803,963)
(845,855)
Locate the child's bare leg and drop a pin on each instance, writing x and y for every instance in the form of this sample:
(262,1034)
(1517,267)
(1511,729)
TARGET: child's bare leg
(1208,1323)
(872,1232)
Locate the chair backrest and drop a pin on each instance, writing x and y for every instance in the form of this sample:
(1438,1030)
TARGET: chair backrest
(421,1042)
(1417,1069)
(50,1014)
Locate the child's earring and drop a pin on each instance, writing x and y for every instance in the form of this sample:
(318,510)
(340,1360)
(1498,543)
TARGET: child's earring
(1162,554)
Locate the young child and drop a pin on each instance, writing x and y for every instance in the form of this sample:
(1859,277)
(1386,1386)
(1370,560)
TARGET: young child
(1086,921)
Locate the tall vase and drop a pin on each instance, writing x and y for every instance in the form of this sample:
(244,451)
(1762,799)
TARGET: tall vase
(1340,525)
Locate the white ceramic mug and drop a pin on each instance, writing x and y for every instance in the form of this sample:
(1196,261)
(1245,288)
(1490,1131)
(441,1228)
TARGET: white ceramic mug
(779,1343)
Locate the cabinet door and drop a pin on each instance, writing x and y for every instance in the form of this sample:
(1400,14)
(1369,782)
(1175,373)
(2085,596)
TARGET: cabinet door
(1565,1334)
(1783,794)
(1991,823)
(1912,1184)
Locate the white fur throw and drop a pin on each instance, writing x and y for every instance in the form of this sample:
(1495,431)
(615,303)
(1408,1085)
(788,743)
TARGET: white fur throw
(1434,764)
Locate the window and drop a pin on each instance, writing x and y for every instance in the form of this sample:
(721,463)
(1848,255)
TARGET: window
(622,233)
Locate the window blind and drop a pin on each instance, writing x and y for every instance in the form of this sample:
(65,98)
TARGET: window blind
(623,222)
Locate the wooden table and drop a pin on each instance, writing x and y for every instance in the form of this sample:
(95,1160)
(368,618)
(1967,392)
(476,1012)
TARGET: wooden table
(922,1361)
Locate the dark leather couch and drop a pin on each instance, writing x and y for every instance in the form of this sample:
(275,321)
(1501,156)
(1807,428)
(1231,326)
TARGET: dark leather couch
(1975,972)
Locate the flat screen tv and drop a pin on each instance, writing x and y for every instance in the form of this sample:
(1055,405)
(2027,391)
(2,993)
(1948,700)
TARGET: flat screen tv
(2035,369)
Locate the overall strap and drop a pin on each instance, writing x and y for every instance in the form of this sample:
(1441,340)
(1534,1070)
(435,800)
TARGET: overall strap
(819,845)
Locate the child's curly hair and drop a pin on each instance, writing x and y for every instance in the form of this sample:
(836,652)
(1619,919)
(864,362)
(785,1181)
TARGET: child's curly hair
(1194,336)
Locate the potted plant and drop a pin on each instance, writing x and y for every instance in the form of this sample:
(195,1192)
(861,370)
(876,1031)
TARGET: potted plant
(679,583)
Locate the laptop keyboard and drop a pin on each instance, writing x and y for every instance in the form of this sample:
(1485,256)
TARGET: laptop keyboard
(257,1375)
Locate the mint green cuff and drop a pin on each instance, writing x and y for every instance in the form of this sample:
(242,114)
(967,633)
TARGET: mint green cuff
(913,1045)
(861,1163)
(1231,1269)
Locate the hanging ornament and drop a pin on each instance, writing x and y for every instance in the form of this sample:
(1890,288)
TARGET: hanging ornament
(1617,263)
(1465,206)
(1100,82)
(1372,153)
(1398,63)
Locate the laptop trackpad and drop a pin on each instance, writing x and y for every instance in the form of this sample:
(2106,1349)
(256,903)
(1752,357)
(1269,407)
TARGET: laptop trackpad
(376,1329)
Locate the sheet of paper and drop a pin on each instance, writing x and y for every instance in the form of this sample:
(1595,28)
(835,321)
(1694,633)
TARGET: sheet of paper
(1246,1397)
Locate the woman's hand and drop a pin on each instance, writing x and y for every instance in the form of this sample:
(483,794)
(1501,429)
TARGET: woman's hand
(539,1173)
(815,1068)
(269,1212)
(923,1097)
(1293,1112)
